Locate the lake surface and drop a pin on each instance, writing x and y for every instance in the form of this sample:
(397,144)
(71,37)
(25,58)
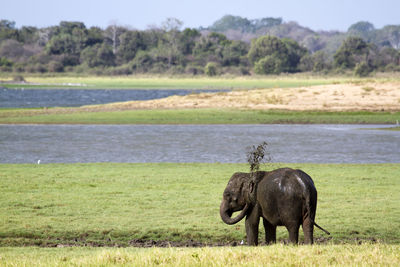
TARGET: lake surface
(36,98)
(196,143)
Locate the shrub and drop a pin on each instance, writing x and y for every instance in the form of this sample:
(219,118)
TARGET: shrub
(125,69)
(18,78)
(210,69)
(269,65)
(194,70)
(55,66)
(391,67)
(5,62)
(362,69)
(142,62)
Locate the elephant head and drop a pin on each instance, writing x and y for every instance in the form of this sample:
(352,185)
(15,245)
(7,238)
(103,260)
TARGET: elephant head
(239,195)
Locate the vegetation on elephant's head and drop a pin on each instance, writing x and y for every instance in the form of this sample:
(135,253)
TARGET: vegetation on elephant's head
(256,155)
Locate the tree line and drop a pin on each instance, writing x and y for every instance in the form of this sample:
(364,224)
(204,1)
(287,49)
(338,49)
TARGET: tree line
(116,50)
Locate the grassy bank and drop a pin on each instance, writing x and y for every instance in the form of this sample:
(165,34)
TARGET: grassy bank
(277,255)
(125,204)
(135,82)
(191,116)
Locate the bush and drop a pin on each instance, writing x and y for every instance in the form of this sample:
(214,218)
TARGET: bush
(269,65)
(4,62)
(142,62)
(55,66)
(210,69)
(41,68)
(391,68)
(18,78)
(18,67)
(362,69)
(194,70)
(120,70)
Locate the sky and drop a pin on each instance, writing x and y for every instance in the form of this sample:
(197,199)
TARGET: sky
(142,14)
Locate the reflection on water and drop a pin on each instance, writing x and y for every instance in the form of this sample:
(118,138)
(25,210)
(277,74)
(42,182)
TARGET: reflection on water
(195,143)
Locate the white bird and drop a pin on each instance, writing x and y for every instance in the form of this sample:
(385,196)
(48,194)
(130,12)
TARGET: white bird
(241,242)
(38,162)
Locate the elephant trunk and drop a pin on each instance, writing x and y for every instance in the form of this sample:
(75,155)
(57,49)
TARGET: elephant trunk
(226,214)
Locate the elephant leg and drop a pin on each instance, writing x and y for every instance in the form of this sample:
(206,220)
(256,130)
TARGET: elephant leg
(252,222)
(270,232)
(293,233)
(308,230)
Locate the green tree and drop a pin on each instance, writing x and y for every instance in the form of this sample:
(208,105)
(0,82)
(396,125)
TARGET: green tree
(95,35)
(280,55)
(320,61)
(188,40)
(391,35)
(295,53)
(98,55)
(266,22)
(142,62)
(68,40)
(362,29)
(67,27)
(130,43)
(63,44)
(229,22)
(8,30)
(352,51)
(268,46)
(271,64)
(388,56)
(210,48)
(28,35)
(234,54)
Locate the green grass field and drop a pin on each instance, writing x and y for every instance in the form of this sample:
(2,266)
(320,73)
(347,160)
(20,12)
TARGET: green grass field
(110,204)
(193,116)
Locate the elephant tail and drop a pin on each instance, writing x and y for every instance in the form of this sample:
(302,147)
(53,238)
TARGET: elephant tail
(311,211)
(321,228)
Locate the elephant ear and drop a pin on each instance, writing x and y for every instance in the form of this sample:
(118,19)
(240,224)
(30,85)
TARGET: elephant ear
(252,188)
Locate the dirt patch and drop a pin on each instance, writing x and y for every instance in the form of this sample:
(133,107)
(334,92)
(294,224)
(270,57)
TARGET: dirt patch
(141,243)
(334,97)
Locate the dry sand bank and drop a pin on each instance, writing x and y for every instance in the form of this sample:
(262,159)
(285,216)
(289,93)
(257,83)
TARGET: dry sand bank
(335,97)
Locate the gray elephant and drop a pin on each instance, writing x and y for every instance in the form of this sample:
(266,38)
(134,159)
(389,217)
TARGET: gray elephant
(281,197)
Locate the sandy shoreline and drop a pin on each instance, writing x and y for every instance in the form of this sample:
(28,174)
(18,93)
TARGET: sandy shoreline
(335,97)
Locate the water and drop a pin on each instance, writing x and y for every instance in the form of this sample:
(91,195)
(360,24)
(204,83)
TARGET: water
(36,98)
(196,143)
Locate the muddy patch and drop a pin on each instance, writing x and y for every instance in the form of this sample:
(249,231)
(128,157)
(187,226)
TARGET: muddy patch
(142,243)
